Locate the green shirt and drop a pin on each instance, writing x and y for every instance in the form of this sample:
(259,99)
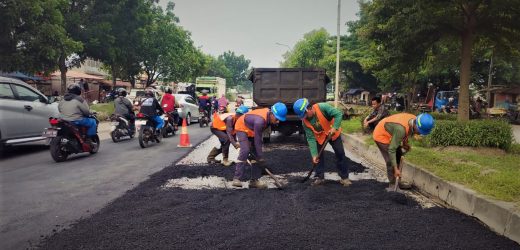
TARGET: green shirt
(398,133)
(329,112)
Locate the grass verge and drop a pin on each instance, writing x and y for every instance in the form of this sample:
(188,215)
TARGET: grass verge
(352,125)
(104,110)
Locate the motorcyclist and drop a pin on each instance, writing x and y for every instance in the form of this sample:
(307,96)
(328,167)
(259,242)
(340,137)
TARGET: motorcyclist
(74,108)
(124,108)
(205,102)
(168,105)
(151,108)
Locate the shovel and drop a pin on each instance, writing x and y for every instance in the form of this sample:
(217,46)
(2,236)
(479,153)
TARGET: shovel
(319,154)
(276,182)
(397,179)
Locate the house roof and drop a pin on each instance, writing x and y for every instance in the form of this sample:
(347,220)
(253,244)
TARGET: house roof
(354,91)
(77,74)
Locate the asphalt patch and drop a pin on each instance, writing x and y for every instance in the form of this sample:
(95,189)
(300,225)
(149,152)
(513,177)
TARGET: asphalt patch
(362,216)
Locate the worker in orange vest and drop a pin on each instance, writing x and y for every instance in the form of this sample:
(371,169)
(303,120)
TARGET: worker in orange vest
(319,121)
(223,127)
(249,128)
(391,137)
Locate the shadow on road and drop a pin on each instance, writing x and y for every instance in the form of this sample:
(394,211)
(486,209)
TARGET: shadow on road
(24,149)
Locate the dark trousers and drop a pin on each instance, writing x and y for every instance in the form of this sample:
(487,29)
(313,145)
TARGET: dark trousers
(131,121)
(223,138)
(246,147)
(386,155)
(341,160)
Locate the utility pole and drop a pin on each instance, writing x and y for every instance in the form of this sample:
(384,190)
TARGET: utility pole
(490,78)
(336,84)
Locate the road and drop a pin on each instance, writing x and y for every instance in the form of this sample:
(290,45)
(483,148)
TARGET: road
(39,195)
(191,205)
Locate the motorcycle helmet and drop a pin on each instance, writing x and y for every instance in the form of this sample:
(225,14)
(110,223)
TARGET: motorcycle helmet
(74,89)
(121,92)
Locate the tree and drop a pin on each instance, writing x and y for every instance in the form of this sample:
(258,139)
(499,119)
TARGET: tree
(407,31)
(237,66)
(34,36)
(309,51)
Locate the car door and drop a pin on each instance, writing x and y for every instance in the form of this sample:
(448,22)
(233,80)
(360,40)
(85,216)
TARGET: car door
(36,107)
(12,114)
(193,107)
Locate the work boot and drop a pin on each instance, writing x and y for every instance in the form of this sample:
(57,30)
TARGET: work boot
(236,183)
(212,154)
(257,184)
(226,163)
(317,182)
(345,182)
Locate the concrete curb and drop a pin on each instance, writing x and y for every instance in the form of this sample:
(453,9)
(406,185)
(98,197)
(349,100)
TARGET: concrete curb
(500,216)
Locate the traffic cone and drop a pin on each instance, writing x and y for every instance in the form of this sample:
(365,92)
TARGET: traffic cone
(185,137)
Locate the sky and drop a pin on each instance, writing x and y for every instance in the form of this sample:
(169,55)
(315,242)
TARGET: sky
(254,27)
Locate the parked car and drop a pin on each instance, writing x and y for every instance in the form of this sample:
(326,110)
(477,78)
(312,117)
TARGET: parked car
(187,107)
(24,112)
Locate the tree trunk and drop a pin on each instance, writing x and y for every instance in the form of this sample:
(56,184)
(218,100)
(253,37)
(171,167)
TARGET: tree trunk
(113,76)
(63,74)
(132,81)
(468,38)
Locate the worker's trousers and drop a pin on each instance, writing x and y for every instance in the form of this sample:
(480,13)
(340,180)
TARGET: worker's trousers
(341,160)
(246,147)
(223,138)
(386,155)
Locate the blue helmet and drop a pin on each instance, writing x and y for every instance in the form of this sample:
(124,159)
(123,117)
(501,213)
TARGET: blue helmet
(425,123)
(280,111)
(300,106)
(242,110)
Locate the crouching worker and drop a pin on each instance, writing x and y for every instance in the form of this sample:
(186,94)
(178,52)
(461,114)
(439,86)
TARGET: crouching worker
(391,137)
(250,126)
(319,121)
(223,127)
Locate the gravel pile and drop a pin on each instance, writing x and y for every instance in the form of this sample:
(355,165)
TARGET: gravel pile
(362,216)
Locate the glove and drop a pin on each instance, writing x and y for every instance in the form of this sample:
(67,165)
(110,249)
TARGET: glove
(332,131)
(405,149)
(236,145)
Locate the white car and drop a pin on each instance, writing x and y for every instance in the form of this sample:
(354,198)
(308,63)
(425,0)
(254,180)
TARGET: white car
(24,112)
(187,107)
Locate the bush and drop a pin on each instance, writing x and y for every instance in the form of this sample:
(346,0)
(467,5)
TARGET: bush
(476,133)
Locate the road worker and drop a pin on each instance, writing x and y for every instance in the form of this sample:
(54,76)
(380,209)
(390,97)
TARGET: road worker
(391,137)
(319,121)
(249,128)
(223,127)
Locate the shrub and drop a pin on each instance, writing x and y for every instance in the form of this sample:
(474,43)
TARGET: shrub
(476,133)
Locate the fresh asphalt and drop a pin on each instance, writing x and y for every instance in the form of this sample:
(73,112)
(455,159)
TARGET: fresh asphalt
(39,196)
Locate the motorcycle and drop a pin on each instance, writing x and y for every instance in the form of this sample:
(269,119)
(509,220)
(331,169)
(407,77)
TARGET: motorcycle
(120,127)
(170,124)
(146,127)
(66,138)
(203,118)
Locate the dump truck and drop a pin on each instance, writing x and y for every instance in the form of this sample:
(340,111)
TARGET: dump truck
(215,86)
(272,85)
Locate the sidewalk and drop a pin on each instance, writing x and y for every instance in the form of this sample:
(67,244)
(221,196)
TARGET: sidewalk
(516,133)
(104,130)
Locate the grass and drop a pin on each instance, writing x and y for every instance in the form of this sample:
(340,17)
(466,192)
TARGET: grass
(488,171)
(352,125)
(104,110)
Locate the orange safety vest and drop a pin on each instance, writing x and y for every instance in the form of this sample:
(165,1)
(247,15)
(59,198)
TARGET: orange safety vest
(240,125)
(382,136)
(218,121)
(325,124)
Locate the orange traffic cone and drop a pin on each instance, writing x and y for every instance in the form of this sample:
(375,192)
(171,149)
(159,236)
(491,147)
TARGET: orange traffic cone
(185,137)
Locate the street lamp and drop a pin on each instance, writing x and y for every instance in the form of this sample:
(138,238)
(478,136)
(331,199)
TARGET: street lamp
(336,87)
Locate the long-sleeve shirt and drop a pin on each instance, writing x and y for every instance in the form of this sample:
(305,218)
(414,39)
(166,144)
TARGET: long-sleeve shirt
(329,112)
(398,133)
(230,125)
(257,124)
(122,106)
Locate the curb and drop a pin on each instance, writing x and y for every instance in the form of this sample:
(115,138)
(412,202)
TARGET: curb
(499,216)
